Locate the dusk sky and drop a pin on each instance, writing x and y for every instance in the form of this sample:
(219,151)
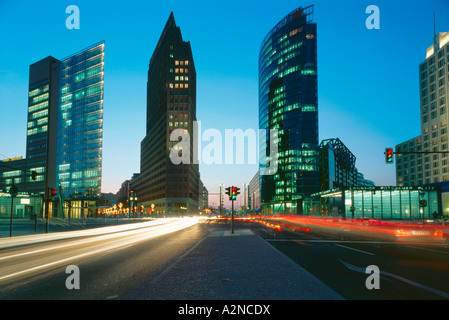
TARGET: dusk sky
(367,79)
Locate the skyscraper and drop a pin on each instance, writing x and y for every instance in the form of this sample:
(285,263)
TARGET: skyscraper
(64,126)
(80,122)
(288,102)
(418,169)
(171,104)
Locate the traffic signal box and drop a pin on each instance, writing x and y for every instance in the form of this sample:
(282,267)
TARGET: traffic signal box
(232,192)
(52,192)
(389,155)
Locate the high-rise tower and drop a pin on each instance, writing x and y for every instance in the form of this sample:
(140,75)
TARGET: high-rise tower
(419,169)
(171,104)
(288,102)
(64,127)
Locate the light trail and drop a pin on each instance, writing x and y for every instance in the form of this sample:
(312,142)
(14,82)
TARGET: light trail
(60,254)
(44,237)
(393,230)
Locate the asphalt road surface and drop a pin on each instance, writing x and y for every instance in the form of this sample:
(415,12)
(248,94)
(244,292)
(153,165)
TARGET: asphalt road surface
(37,268)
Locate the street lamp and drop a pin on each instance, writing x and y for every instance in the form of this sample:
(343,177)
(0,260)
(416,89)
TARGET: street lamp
(120,205)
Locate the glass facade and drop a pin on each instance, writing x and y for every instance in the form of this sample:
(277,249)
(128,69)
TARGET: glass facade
(288,102)
(80,122)
(337,166)
(380,202)
(24,205)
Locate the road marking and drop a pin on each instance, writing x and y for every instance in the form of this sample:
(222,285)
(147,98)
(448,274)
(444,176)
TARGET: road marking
(427,249)
(418,285)
(332,241)
(365,252)
(301,242)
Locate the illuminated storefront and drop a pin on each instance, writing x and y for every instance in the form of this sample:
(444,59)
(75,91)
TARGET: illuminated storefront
(379,202)
(25,206)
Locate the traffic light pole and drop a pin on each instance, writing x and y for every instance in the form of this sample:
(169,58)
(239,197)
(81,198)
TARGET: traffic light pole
(232,217)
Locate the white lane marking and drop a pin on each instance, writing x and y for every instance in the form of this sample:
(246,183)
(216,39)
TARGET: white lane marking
(418,285)
(427,249)
(365,252)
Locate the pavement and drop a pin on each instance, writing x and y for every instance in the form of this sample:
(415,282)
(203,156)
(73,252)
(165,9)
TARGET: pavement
(221,266)
(238,266)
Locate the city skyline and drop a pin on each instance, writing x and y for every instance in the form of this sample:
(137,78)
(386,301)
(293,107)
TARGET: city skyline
(228,77)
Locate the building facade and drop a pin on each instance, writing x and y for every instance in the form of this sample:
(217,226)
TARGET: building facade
(80,123)
(288,103)
(203,197)
(171,104)
(424,169)
(64,130)
(379,202)
(254,194)
(337,166)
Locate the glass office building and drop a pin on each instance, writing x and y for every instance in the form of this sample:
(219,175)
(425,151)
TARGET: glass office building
(288,103)
(379,202)
(80,122)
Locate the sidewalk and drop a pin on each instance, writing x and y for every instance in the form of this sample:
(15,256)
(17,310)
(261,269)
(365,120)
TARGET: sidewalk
(239,266)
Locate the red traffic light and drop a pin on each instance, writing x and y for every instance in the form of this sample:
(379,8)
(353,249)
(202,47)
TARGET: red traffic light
(389,155)
(53,192)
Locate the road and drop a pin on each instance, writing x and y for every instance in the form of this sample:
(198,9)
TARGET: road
(112,265)
(339,258)
(120,262)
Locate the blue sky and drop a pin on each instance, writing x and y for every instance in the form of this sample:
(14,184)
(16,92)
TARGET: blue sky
(367,79)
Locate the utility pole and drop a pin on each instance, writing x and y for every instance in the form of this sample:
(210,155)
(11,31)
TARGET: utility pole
(13,191)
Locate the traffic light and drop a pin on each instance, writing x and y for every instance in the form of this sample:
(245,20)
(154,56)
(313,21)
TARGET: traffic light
(132,195)
(235,192)
(389,155)
(228,191)
(53,192)
(423,203)
(33,175)
(13,190)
